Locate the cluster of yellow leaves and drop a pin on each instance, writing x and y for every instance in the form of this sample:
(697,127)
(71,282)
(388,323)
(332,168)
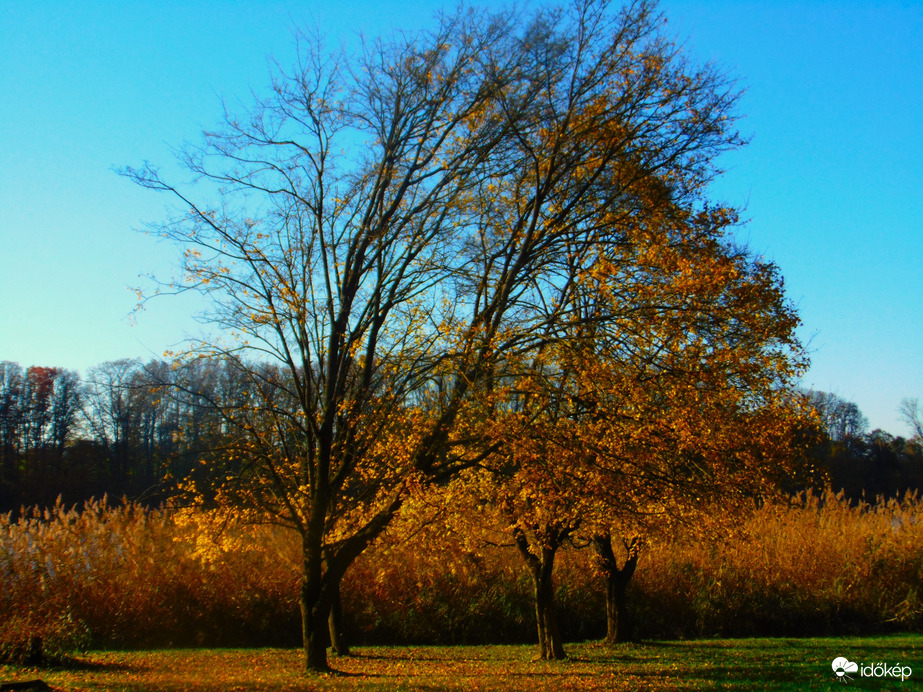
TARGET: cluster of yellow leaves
(684,393)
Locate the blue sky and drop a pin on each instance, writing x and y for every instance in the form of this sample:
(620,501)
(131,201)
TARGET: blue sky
(832,180)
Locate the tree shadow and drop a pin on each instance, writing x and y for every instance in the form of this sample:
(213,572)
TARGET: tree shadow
(77,663)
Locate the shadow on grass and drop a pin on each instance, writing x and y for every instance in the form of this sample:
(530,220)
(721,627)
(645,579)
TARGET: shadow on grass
(413,655)
(69,662)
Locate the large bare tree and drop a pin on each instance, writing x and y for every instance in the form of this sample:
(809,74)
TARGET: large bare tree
(384,232)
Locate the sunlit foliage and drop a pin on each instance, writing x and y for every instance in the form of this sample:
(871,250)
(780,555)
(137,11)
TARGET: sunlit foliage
(120,576)
(392,232)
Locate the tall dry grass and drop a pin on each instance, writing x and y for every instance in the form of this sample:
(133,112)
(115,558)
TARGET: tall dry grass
(433,591)
(818,565)
(119,576)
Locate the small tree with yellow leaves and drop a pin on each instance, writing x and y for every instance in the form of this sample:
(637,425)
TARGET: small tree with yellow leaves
(681,400)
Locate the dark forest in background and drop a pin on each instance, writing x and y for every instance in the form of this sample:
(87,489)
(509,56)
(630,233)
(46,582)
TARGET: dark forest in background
(135,430)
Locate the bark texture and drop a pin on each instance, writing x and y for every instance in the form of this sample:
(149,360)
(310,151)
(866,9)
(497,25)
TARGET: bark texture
(618,622)
(540,562)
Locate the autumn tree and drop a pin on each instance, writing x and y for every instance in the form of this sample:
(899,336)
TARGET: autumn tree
(536,497)
(623,457)
(690,404)
(522,497)
(50,402)
(390,230)
(681,400)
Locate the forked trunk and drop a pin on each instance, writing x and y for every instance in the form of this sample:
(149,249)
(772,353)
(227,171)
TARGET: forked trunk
(618,622)
(541,568)
(549,636)
(324,569)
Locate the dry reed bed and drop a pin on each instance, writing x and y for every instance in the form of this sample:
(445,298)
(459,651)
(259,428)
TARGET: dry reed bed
(120,576)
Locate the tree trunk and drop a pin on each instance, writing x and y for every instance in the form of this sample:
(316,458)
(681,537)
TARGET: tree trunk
(618,623)
(315,603)
(549,636)
(324,568)
(335,623)
(315,610)
(541,567)
(36,653)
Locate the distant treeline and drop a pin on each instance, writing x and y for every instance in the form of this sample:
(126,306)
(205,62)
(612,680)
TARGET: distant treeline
(124,429)
(859,462)
(132,429)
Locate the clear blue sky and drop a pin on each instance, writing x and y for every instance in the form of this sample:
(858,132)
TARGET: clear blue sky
(832,181)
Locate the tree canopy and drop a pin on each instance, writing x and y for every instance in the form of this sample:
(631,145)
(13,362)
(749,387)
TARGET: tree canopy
(394,241)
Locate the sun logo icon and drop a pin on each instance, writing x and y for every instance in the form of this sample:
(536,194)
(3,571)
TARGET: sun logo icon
(842,666)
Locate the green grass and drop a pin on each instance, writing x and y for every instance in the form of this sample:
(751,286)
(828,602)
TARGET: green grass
(730,664)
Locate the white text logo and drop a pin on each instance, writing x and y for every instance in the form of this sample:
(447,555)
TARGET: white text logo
(842,667)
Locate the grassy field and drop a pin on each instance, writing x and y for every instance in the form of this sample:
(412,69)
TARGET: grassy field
(738,664)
